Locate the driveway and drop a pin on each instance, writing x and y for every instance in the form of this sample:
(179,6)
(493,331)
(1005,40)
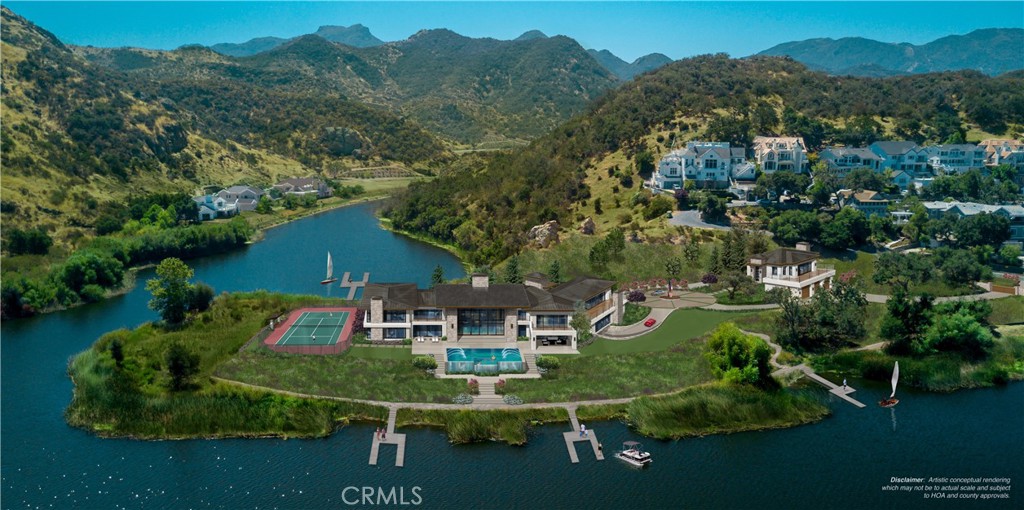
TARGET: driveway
(692,219)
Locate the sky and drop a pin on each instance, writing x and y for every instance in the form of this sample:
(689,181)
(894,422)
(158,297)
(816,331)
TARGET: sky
(628,29)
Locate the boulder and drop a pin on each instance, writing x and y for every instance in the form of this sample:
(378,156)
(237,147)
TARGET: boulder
(587,227)
(543,235)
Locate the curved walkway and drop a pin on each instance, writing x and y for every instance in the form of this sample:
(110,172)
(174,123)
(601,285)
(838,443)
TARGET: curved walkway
(661,308)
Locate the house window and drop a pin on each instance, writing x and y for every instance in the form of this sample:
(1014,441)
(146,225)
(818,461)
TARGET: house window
(481,321)
(522,315)
(594,301)
(552,322)
(775,271)
(395,333)
(427,331)
(427,315)
(394,315)
(711,163)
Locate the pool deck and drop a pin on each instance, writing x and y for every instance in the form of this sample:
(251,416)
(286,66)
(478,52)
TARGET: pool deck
(390,438)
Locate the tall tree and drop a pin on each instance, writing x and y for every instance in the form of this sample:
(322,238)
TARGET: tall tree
(171,290)
(580,322)
(437,277)
(673,268)
(905,321)
(555,272)
(182,365)
(513,274)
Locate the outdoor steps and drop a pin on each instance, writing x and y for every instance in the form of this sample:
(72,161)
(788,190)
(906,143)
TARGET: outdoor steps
(530,359)
(487,395)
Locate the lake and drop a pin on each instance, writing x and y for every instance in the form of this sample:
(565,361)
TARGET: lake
(842,462)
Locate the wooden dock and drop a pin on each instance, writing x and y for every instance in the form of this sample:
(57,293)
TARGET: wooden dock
(346,282)
(835,389)
(573,437)
(389,438)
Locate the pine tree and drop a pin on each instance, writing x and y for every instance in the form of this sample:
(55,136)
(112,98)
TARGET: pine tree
(437,278)
(555,272)
(512,272)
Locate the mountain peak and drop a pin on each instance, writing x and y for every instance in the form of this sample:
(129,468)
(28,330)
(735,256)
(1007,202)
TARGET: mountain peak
(356,35)
(531,34)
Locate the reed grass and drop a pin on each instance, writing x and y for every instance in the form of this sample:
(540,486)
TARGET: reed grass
(719,409)
(469,426)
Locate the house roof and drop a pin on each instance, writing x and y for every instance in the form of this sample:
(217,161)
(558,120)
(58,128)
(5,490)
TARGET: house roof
(501,295)
(395,295)
(581,288)
(861,152)
(972,208)
(240,189)
(785,257)
(762,143)
(895,148)
(543,300)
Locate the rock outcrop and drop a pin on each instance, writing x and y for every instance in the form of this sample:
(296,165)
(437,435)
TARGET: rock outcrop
(544,235)
(587,227)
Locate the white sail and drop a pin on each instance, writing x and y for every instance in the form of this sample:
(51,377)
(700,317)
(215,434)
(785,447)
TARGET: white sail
(895,377)
(330,267)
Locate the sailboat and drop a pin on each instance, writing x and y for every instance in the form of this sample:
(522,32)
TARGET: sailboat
(892,400)
(330,271)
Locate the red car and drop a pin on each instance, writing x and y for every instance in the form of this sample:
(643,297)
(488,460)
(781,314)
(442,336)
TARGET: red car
(650,322)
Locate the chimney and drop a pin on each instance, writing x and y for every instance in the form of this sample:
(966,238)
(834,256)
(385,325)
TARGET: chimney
(802,246)
(480,281)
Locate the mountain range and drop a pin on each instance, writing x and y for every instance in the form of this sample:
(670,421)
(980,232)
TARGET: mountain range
(358,36)
(992,51)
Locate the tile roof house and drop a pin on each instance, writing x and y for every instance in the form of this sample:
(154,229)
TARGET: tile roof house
(1003,152)
(484,314)
(795,270)
(709,164)
(774,153)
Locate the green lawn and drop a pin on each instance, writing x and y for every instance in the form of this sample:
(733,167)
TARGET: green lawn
(394,353)
(1009,310)
(681,325)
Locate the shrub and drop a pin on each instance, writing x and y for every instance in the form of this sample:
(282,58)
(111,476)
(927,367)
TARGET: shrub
(360,338)
(548,362)
(474,386)
(462,398)
(636,296)
(424,362)
(512,400)
(709,279)
(499,387)
(91,293)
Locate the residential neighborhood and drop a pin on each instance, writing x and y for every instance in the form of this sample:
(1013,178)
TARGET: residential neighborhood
(240,198)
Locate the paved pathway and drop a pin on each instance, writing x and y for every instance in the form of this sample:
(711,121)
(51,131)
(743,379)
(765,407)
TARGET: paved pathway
(661,308)
(881,298)
(693,219)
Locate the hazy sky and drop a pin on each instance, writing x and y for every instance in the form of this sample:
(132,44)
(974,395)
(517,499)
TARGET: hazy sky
(628,29)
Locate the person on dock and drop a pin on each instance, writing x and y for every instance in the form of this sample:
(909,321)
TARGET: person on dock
(844,384)
(583,430)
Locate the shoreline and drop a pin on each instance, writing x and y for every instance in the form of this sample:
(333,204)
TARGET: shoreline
(385,224)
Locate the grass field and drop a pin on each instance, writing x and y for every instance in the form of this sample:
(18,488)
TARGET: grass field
(681,325)
(467,426)
(1009,310)
(863,264)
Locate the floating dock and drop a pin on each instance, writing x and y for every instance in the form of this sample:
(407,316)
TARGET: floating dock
(390,438)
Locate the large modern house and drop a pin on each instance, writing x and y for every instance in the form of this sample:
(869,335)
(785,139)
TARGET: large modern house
(708,164)
(482,311)
(842,160)
(871,203)
(902,155)
(955,158)
(795,270)
(781,153)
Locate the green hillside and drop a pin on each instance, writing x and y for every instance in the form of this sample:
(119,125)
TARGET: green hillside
(77,135)
(488,212)
(467,90)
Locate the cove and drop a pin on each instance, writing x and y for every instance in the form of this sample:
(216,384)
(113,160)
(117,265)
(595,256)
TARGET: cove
(842,462)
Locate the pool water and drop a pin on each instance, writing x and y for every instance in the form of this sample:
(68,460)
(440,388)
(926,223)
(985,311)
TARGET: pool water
(483,361)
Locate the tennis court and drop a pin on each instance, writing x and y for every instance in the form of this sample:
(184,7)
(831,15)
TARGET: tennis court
(313,331)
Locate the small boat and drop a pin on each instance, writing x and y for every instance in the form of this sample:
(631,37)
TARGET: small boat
(892,400)
(633,455)
(330,271)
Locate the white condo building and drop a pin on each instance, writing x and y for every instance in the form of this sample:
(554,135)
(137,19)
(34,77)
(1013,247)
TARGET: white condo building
(708,164)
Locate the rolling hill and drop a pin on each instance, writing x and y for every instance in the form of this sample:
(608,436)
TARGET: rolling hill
(992,51)
(468,90)
(356,36)
(488,212)
(625,70)
(77,134)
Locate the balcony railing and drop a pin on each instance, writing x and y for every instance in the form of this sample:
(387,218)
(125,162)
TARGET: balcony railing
(820,271)
(551,327)
(604,306)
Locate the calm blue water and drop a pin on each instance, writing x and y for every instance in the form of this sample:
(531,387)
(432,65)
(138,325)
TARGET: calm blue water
(462,354)
(841,462)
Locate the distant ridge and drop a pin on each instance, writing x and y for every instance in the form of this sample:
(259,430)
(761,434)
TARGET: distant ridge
(626,71)
(992,51)
(357,36)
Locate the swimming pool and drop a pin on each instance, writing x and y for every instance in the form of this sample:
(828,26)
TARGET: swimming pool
(483,361)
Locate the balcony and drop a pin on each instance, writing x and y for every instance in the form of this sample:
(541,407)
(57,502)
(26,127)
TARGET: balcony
(552,327)
(599,309)
(822,271)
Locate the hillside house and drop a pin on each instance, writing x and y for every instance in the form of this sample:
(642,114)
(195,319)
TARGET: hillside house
(796,270)
(774,153)
(871,203)
(842,160)
(302,186)
(245,198)
(708,164)
(1004,152)
(213,206)
(955,158)
(1013,213)
(903,155)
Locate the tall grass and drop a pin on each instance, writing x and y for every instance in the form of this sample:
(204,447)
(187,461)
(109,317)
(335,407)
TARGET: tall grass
(465,426)
(721,408)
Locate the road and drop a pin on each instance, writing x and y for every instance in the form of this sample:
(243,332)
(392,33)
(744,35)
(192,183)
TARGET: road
(692,219)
